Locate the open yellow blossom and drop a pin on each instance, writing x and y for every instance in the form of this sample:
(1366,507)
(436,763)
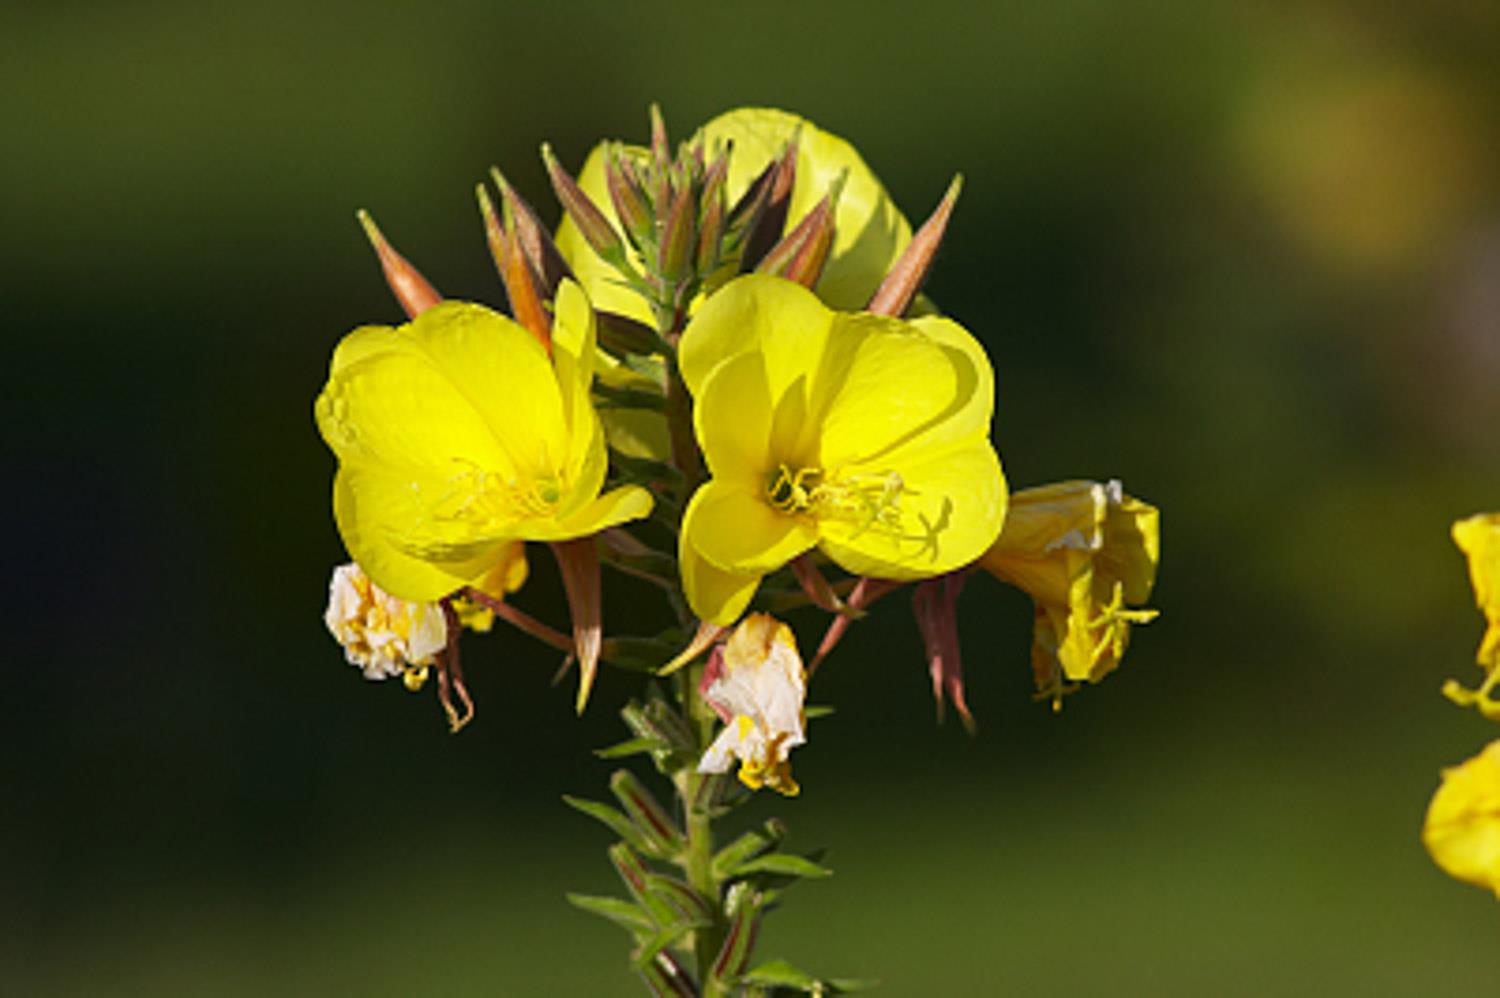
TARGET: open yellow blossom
(1479,538)
(1462,830)
(757,685)
(457,435)
(869,231)
(383,635)
(1086,553)
(863,435)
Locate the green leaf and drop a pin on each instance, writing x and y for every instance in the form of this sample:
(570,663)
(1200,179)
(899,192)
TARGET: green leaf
(782,863)
(635,746)
(781,974)
(616,822)
(693,907)
(622,913)
(644,954)
(746,847)
(647,813)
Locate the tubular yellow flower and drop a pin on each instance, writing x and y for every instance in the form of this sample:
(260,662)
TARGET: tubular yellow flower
(1462,830)
(869,231)
(863,435)
(1086,553)
(1478,537)
(382,635)
(757,684)
(457,435)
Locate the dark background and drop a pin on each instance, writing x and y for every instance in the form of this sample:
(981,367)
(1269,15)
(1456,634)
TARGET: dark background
(1246,258)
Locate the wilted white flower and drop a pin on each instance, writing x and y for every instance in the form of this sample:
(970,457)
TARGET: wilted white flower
(381,634)
(757,685)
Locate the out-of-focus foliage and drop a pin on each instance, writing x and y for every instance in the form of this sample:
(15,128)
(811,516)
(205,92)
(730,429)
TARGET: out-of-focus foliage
(1246,259)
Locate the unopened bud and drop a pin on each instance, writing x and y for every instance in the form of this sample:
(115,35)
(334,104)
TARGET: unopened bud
(661,153)
(679,234)
(763,228)
(908,273)
(801,253)
(411,289)
(522,286)
(534,239)
(592,225)
(628,198)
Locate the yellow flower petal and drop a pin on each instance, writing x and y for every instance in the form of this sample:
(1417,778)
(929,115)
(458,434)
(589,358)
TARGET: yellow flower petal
(714,595)
(1086,553)
(1462,830)
(757,312)
(925,519)
(735,530)
(370,517)
(733,420)
(621,505)
(861,417)
(1479,539)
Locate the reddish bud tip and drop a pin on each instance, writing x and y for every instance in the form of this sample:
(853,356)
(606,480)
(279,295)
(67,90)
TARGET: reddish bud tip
(907,275)
(411,289)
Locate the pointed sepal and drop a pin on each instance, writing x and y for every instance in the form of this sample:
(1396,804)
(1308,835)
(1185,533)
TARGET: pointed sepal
(413,291)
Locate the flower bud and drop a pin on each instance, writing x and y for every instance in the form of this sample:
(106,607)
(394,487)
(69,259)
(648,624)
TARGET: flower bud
(906,276)
(411,289)
(596,229)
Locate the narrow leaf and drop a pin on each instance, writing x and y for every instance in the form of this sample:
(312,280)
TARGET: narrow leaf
(784,864)
(614,820)
(647,813)
(622,913)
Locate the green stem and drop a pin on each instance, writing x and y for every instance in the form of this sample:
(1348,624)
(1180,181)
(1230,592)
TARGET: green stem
(698,862)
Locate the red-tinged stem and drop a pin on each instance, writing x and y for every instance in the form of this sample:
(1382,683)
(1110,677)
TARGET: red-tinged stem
(520,619)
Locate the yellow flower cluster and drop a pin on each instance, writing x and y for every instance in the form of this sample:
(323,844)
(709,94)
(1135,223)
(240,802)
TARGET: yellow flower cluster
(810,421)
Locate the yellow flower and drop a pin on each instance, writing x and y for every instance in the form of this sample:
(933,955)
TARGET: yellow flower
(1086,553)
(757,684)
(457,435)
(1462,830)
(1478,537)
(869,231)
(863,435)
(382,635)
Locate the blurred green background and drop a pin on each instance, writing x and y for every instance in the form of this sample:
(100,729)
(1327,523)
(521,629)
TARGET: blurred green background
(1245,257)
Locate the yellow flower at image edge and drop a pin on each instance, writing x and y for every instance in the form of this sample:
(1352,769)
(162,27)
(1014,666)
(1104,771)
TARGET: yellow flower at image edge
(382,635)
(458,435)
(862,435)
(1086,553)
(1478,537)
(756,683)
(1462,830)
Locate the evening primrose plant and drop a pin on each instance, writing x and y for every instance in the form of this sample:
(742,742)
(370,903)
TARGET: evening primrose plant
(717,378)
